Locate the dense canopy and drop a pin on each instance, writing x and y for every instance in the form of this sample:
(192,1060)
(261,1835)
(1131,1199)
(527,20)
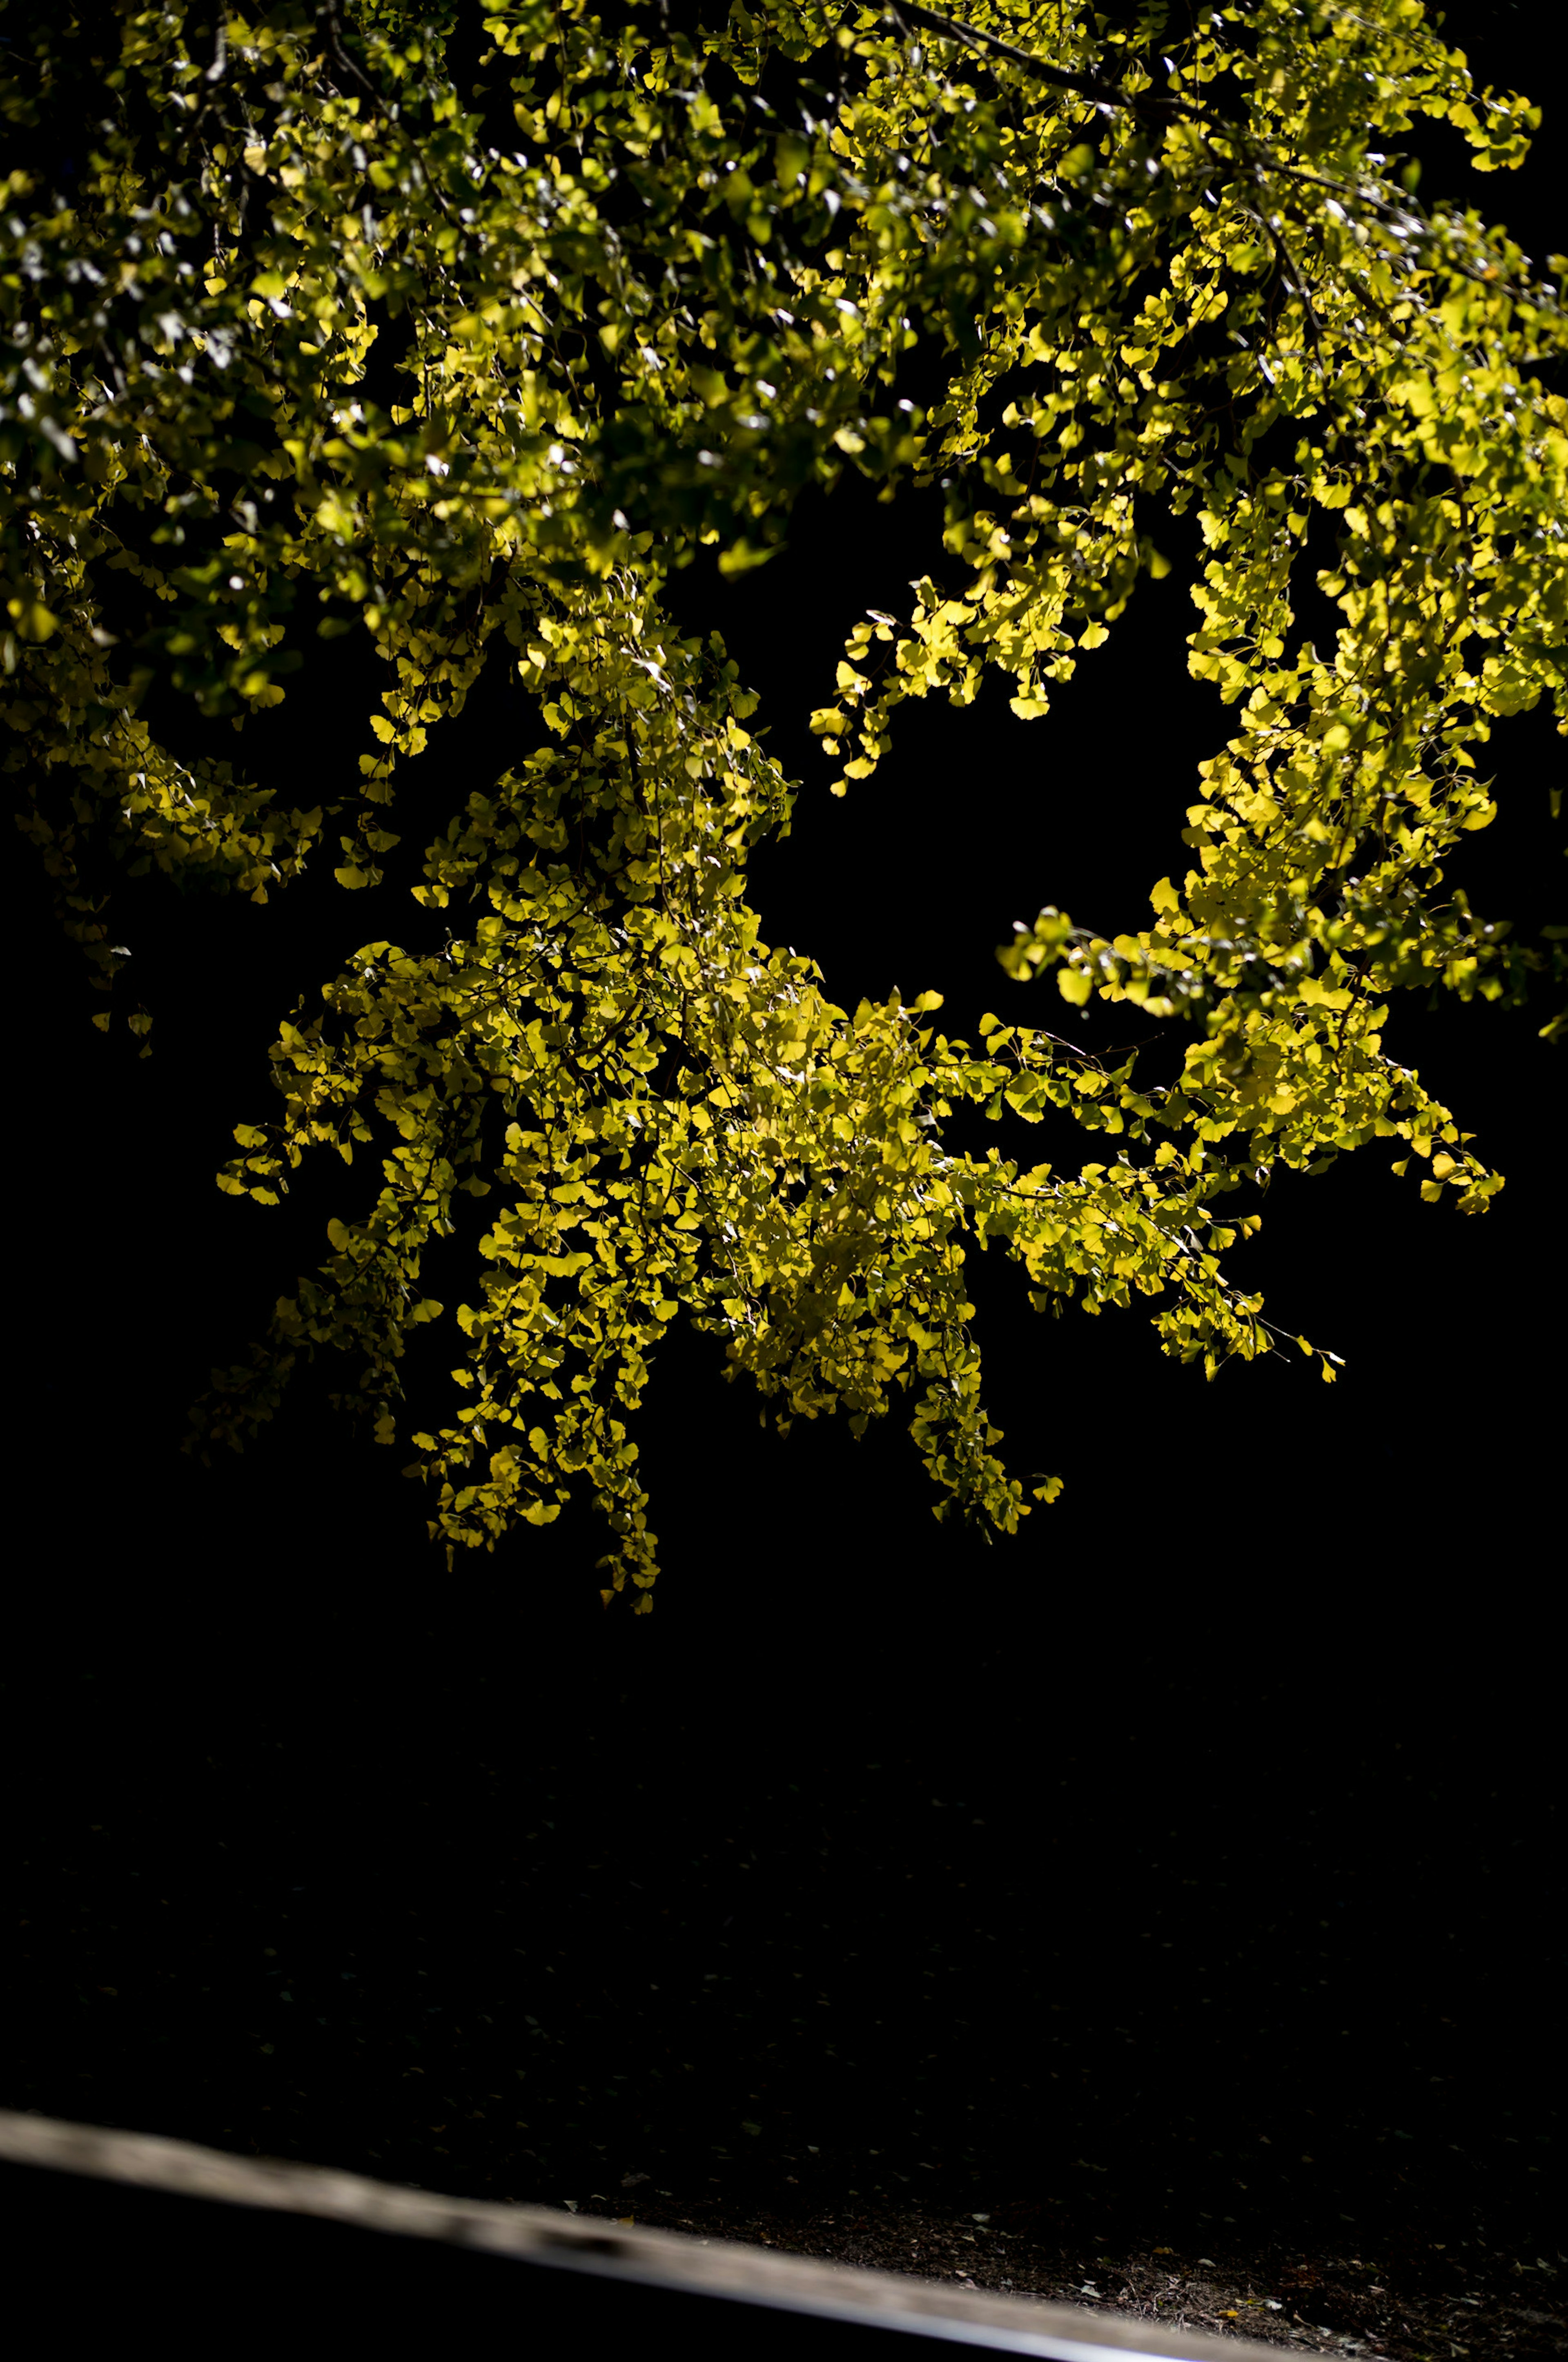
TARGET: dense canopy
(309,334)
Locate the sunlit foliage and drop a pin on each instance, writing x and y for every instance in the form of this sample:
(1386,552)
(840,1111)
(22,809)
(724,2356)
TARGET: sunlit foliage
(305,339)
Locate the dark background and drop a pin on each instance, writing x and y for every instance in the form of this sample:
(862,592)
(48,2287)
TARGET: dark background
(1182,1868)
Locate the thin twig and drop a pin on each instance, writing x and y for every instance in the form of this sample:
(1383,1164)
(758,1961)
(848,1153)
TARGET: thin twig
(326,14)
(904,13)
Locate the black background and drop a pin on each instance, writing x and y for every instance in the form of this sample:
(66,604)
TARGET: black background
(1181,1867)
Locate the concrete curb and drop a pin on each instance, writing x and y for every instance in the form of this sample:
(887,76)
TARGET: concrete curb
(669,2259)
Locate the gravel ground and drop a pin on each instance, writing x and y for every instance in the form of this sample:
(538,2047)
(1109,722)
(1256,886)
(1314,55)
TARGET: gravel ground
(1410,2310)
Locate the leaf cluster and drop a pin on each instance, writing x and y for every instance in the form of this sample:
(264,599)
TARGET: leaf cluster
(304,338)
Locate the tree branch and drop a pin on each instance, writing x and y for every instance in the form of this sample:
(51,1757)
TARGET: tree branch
(343,63)
(904,13)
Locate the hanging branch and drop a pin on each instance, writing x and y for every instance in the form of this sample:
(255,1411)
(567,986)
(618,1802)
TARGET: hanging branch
(904,14)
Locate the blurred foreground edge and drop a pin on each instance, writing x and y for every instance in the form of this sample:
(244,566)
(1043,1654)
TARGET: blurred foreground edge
(110,2226)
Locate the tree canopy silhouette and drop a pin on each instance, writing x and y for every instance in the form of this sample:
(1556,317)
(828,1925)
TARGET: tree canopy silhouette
(309,336)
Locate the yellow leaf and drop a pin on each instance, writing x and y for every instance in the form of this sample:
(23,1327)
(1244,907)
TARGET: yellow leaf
(32,618)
